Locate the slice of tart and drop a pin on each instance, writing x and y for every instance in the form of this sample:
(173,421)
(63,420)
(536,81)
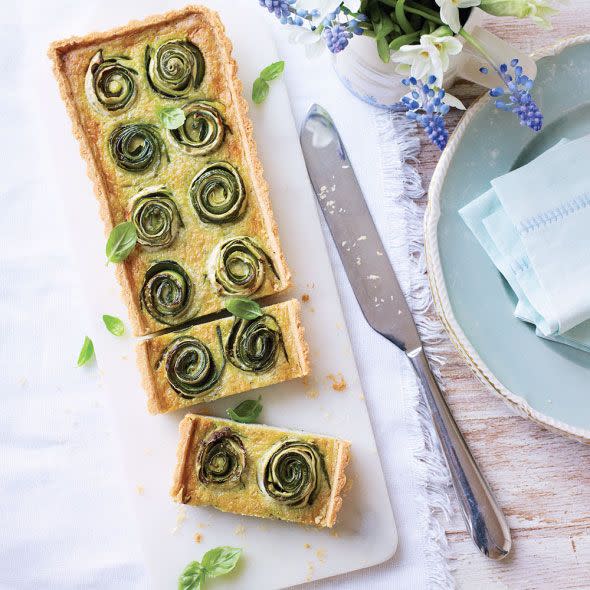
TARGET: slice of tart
(158,110)
(223,357)
(259,470)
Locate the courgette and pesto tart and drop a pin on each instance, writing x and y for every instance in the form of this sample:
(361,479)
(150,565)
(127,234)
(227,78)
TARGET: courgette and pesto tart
(196,194)
(223,357)
(258,470)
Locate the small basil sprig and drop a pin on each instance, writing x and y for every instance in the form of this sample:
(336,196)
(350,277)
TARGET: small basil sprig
(121,242)
(172,117)
(86,352)
(247,411)
(260,87)
(243,308)
(114,325)
(216,562)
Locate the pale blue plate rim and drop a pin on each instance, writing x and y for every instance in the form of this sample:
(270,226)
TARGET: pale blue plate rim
(558,417)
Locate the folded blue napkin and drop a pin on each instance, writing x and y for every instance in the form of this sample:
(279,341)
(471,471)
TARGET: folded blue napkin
(534,224)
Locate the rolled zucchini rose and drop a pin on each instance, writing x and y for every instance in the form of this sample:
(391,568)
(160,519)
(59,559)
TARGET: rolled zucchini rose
(292,472)
(217,193)
(190,366)
(221,458)
(175,68)
(110,84)
(155,216)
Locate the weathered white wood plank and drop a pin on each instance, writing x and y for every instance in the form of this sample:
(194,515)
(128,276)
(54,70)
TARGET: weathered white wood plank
(541,479)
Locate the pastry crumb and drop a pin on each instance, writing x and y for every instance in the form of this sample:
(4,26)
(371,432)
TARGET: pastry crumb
(321,555)
(312,393)
(180,518)
(307,545)
(139,489)
(202,525)
(310,569)
(305,298)
(124,357)
(240,530)
(362,396)
(338,382)
(334,534)
(197,537)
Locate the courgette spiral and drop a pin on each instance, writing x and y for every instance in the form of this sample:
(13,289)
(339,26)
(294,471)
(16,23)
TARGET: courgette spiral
(110,84)
(190,366)
(136,147)
(291,473)
(203,129)
(253,345)
(217,193)
(237,266)
(156,217)
(175,68)
(166,292)
(221,458)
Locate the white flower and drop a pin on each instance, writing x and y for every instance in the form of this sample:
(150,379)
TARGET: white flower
(453,102)
(313,42)
(431,57)
(323,7)
(449,11)
(353,5)
(326,7)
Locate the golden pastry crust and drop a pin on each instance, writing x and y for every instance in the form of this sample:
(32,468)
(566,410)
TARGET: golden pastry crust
(246,497)
(295,363)
(114,188)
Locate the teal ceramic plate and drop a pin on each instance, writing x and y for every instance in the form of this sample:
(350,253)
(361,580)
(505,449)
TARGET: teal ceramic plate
(546,381)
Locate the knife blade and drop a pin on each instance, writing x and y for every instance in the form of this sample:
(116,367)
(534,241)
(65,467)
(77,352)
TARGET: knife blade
(367,265)
(384,305)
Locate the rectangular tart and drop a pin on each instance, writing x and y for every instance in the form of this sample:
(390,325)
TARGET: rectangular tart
(223,357)
(238,467)
(196,193)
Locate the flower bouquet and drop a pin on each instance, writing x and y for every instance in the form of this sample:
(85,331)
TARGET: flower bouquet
(422,37)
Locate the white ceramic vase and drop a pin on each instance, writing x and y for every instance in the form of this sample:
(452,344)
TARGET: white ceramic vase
(363,72)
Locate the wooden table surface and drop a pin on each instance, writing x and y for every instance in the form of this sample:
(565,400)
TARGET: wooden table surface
(541,480)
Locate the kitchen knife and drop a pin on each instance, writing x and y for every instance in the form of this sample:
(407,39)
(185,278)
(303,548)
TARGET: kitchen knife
(385,308)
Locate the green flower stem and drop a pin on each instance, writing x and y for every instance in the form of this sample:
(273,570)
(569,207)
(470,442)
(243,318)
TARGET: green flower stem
(477,45)
(404,40)
(400,16)
(424,14)
(424,9)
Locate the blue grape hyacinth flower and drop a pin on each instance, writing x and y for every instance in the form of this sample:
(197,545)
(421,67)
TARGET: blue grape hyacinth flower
(425,105)
(337,37)
(280,8)
(515,96)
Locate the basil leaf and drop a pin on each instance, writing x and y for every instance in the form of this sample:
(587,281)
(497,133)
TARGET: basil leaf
(260,90)
(243,308)
(86,352)
(172,117)
(121,241)
(246,412)
(273,71)
(114,325)
(192,577)
(220,561)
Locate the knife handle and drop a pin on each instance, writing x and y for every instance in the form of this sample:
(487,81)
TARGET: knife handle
(484,519)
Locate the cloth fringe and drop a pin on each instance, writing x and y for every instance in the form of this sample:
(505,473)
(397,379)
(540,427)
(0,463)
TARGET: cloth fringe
(405,206)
